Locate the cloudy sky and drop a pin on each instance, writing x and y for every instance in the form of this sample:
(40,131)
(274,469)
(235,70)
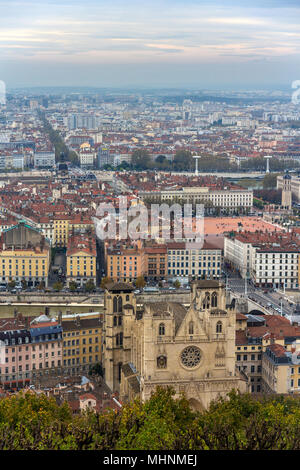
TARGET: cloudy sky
(173,43)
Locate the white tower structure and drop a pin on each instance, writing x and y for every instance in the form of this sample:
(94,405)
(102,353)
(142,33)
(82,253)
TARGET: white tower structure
(267,157)
(196,157)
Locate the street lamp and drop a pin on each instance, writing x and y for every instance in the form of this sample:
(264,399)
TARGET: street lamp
(267,157)
(196,157)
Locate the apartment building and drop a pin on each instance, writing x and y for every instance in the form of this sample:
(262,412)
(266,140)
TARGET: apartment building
(81,344)
(194,262)
(45,224)
(248,359)
(256,337)
(269,259)
(87,159)
(281,369)
(29,348)
(81,223)
(81,259)
(125,262)
(44,160)
(60,230)
(24,255)
(156,260)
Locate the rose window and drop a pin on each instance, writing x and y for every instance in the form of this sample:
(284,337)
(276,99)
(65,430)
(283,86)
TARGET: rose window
(190,356)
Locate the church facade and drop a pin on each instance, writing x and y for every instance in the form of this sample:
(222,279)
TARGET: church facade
(166,344)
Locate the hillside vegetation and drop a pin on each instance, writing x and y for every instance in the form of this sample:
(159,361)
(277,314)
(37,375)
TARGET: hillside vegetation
(241,422)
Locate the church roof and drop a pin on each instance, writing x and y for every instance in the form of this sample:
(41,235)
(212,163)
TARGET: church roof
(175,309)
(207,284)
(128,369)
(120,286)
(134,383)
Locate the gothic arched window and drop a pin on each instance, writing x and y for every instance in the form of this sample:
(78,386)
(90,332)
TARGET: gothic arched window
(115,321)
(206,301)
(161,329)
(115,304)
(191,328)
(214,299)
(119,339)
(219,327)
(120,304)
(127,298)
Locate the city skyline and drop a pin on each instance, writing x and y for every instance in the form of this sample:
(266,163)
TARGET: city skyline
(158,44)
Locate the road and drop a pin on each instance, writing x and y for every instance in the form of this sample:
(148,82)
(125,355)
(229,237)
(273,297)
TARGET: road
(272,301)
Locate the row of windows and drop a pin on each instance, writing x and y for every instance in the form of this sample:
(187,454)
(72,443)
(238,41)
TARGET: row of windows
(76,360)
(20,358)
(84,332)
(73,352)
(162,328)
(75,342)
(182,265)
(245,357)
(293,381)
(46,365)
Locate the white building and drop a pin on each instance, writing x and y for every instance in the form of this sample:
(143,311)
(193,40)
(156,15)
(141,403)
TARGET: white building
(196,263)
(87,158)
(269,259)
(44,160)
(230,199)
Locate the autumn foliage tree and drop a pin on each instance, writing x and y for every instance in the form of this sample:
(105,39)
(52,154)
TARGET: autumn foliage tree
(164,422)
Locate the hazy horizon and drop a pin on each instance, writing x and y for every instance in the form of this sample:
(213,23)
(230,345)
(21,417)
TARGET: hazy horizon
(156,44)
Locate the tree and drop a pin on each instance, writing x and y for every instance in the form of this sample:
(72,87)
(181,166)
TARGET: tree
(270,181)
(72,286)
(41,285)
(183,160)
(160,159)
(104,281)
(140,159)
(12,284)
(140,282)
(90,286)
(24,283)
(30,421)
(272,196)
(96,370)
(58,286)
(158,424)
(177,284)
